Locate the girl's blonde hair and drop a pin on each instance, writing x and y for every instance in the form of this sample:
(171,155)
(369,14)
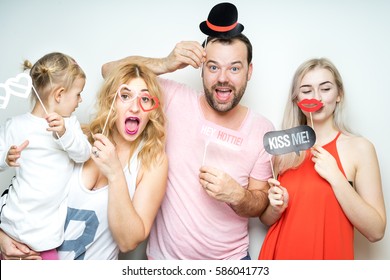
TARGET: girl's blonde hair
(293,115)
(153,136)
(53,70)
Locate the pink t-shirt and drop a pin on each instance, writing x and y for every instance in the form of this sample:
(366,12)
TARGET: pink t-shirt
(190,224)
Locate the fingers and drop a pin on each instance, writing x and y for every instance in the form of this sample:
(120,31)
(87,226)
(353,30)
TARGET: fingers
(18,149)
(276,202)
(100,145)
(13,250)
(211,175)
(212,178)
(317,151)
(95,152)
(23,248)
(101,141)
(277,196)
(285,195)
(190,53)
(100,137)
(273,182)
(276,191)
(194,51)
(314,152)
(206,184)
(56,123)
(207,179)
(210,170)
(319,154)
(23,145)
(14,153)
(53,118)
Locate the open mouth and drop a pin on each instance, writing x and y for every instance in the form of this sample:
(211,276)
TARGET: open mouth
(310,105)
(132,125)
(223,94)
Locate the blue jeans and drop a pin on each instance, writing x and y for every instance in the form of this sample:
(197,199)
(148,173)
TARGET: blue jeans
(246,258)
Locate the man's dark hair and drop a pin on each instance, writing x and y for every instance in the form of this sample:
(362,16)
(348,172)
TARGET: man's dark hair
(240,37)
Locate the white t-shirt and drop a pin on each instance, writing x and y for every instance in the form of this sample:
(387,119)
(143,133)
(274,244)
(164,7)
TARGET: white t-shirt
(190,224)
(35,207)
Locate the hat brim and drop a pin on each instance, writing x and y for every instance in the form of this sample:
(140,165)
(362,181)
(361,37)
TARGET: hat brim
(228,34)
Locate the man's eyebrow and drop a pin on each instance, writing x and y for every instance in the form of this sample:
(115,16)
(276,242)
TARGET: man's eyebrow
(211,61)
(232,63)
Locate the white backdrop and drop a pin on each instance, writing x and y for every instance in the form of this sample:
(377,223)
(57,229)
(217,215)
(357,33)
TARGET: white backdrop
(354,34)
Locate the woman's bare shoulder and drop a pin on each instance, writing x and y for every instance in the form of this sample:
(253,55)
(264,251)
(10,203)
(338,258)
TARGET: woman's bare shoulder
(356,144)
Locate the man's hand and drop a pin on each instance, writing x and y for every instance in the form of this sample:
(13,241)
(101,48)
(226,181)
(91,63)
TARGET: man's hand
(185,53)
(220,185)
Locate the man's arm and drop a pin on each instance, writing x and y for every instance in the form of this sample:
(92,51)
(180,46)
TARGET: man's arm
(246,202)
(185,53)
(254,199)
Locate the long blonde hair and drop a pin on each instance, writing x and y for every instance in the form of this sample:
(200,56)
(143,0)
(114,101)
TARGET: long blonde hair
(293,116)
(153,136)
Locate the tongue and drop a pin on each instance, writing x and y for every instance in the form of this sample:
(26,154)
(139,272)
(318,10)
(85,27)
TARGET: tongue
(223,95)
(131,125)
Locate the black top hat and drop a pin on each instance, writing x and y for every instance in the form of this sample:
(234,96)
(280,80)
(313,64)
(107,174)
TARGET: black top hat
(222,21)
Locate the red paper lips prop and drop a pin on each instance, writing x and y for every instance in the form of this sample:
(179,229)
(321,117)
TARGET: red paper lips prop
(310,105)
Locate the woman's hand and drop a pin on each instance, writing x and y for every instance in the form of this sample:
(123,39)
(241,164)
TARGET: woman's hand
(105,156)
(13,250)
(325,164)
(278,196)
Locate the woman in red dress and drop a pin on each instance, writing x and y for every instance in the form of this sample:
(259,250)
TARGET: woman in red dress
(321,195)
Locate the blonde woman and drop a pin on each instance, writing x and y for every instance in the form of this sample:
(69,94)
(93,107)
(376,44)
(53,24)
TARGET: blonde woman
(115,196)
(321,195)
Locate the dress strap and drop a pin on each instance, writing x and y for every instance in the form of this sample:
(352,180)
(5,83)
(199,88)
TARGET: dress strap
(337,136)
(333,142)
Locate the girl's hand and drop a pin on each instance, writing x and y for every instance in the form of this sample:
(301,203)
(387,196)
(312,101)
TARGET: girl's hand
(56,124)
(14,154)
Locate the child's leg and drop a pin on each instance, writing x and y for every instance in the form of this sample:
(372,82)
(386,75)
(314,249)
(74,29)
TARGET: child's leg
(49,255)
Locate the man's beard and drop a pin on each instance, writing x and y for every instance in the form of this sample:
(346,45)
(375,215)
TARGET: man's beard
(224,107)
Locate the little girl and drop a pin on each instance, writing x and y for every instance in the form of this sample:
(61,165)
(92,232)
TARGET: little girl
(43,147)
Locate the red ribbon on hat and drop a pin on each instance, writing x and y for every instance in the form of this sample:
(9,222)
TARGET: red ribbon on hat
(221,28)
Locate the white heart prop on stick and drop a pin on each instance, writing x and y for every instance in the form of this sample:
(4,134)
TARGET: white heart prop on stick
(4,96)
(20,85)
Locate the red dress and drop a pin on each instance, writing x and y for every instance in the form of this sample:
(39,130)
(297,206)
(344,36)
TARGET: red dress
(313,226)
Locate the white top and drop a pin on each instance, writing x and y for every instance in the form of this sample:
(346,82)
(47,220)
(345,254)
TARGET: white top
(87,234)
(35,208)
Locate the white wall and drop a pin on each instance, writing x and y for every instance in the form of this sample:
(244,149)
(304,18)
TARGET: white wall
(353,34)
